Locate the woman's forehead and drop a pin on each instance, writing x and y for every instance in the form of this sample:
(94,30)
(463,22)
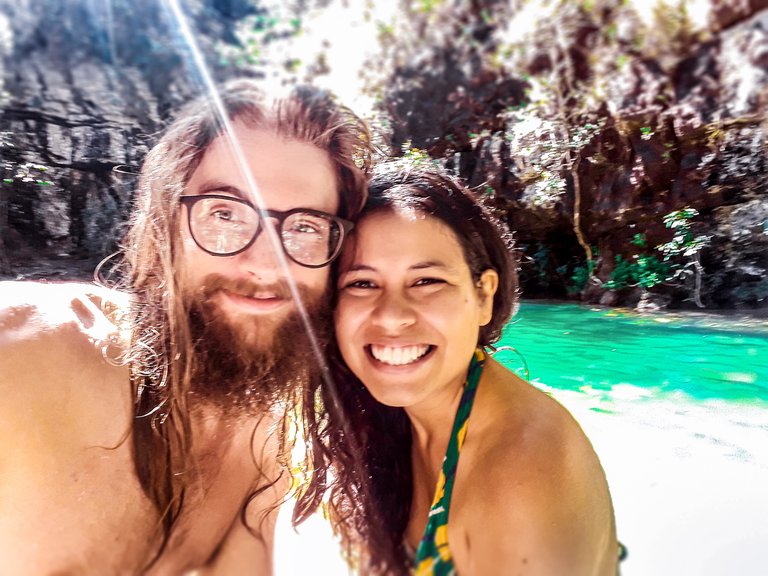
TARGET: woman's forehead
(401,234)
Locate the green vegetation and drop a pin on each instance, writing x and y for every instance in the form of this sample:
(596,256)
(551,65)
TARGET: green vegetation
(29,173)
(672,262)
(261,42)
(645,271)
(426,6)
(684,243)
(415,156)
(547,147)
(684,249)
(580,276)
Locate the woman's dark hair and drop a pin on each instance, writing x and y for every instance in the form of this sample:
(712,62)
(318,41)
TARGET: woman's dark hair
(371,504)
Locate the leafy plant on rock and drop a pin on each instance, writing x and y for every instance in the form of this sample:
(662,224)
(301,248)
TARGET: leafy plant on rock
(679,258)
(685,246)
(642,270)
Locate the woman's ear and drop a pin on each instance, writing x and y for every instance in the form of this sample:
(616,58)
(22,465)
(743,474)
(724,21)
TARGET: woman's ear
(486,288)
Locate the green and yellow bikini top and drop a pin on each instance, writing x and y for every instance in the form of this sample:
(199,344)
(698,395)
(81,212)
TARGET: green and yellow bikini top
(433,557)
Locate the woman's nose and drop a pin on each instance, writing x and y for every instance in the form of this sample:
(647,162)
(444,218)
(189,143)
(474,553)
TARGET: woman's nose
(393,312)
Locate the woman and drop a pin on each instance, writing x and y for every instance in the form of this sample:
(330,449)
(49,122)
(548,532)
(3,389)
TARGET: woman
(471,469)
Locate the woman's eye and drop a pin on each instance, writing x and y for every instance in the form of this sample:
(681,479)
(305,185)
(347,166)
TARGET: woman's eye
(361,284)
(428,281)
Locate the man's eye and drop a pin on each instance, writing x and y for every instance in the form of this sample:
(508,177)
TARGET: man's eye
(302,224)
(222,214)
(304,228)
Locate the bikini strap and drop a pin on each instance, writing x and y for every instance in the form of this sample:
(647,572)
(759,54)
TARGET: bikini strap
(433,556)
(459,431)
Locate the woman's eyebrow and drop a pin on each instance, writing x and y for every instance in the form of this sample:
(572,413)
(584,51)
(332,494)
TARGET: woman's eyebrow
(432,264)
(358,268)
(418,266)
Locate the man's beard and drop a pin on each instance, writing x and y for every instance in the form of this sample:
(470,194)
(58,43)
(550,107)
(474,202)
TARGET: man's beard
(249,366)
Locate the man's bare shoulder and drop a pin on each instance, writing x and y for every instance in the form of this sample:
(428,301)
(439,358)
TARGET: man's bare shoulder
(58,343)
(32,311)
(66,472)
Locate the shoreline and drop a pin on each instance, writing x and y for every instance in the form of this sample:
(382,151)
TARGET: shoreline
(687,484)
(728,313)
(62,269)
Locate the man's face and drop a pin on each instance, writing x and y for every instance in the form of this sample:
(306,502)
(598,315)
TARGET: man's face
(251,289)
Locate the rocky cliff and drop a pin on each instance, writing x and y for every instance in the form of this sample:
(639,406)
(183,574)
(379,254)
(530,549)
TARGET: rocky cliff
(627,148)
(86,86)
(629,154)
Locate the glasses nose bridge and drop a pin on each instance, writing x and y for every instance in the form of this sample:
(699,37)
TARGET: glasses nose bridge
(270,222)
(271,218)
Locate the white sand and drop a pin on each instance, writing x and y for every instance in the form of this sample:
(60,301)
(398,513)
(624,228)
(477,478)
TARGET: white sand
(689,482)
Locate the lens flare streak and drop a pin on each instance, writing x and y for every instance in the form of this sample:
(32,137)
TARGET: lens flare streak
(258,201)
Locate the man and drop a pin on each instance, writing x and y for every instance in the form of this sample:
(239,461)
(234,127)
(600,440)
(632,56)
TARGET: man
(143,431)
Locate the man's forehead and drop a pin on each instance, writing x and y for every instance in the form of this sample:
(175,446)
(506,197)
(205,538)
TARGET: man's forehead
(263,167)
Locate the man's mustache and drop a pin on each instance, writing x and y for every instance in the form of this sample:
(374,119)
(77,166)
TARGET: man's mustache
(214,283)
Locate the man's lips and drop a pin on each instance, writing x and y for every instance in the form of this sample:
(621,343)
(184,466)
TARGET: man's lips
(260,301)
(399,355)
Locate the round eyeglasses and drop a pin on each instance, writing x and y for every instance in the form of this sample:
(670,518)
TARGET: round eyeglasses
(225,226)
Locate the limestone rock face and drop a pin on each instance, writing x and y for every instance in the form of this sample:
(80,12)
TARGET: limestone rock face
(737,264)
(86,87)
(592,126)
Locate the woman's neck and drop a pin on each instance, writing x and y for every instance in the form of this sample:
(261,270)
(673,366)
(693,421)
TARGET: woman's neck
(431,426)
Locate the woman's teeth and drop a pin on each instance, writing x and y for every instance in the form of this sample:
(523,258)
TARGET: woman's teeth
(398,355)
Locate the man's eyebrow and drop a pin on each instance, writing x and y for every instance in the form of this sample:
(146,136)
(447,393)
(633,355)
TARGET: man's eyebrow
(218,187)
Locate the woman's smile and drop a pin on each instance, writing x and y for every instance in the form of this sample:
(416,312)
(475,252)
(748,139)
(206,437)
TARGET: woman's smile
(399,355)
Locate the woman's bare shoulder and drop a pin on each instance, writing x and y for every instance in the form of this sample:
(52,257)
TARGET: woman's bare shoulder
(533,475)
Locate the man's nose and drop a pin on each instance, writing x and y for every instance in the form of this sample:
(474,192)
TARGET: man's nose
(264,257)
(393,312)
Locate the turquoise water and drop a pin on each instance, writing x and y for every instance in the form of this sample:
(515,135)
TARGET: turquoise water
(676,407)
(602,351)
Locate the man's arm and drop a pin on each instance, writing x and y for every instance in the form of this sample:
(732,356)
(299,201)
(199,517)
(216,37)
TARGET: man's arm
(50,365)
(52,383)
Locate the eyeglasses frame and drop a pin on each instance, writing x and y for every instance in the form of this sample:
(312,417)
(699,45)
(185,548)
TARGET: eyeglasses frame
(346,226)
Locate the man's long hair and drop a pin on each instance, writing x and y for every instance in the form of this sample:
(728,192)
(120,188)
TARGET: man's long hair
(161,347)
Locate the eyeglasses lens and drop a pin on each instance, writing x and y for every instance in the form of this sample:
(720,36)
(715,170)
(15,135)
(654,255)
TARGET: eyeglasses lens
(309,238)
(224,227)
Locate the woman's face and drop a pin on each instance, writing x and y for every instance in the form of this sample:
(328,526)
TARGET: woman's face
(409,312)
